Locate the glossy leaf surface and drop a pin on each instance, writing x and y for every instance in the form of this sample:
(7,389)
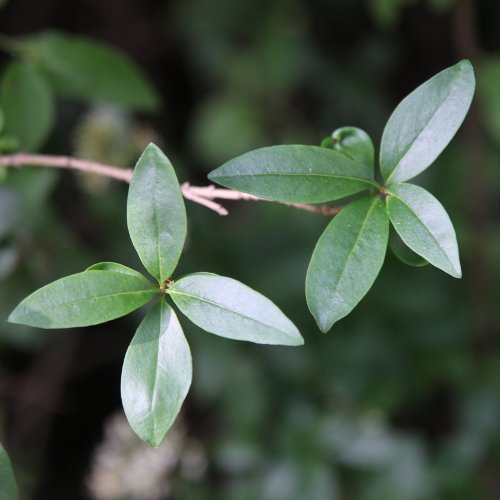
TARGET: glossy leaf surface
(346,260)
(425,121)
(423,224)
(156,374)
(83,299)
(27,104)
(295,174)
(8,486)
(228,308)
(85,69)
(354,143)
(156,216)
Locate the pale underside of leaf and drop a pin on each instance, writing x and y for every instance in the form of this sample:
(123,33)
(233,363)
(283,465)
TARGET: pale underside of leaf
(424,123)
(83,299)
(156,216)
(425,227)
(156,374)
(228,308)
(346,260)
(295,174)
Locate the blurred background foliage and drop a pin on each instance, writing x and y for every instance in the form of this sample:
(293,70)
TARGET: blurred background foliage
(400,401)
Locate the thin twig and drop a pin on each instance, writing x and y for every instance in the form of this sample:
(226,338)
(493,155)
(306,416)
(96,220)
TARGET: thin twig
(203,195)
(67,162)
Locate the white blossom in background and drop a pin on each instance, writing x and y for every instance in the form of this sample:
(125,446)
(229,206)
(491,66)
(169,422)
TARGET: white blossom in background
(108,134)
(123,467)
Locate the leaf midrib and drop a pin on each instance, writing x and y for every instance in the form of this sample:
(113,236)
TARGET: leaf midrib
(452,88)
(157,230)
(157,354)
(303,174)
(97,297)
(202,299)
(351,252)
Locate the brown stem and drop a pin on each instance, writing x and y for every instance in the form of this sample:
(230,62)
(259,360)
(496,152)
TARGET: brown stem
(203,195)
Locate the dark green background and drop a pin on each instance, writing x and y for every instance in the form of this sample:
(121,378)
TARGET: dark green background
(401,400)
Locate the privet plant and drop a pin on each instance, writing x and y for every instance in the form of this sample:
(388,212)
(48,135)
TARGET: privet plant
(347,258)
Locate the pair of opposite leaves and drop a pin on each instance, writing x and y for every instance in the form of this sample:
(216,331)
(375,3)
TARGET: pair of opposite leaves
(157,369)
(350,252)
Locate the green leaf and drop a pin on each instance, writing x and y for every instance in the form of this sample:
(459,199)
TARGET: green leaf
(295,174)
(156,374)
(115,267)
(156,216)
(354,143)
(8,486)
(346,260)
(425,122)
(228,308)
(27,105)
(403,253)
(84,299)
(423,224)
(86,69)
(9,144)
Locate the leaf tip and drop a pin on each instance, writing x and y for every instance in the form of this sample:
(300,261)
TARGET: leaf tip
(15,317)
(152,147)
(298,340)
(324,322)
(212,176)
(465,63)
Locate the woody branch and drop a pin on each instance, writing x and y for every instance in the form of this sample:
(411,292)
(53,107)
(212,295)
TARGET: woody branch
(203,195)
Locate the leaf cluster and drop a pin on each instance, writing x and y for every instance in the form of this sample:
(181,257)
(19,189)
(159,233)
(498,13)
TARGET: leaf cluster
(157,369)
(349,254)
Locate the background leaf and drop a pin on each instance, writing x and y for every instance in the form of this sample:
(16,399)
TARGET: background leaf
(27,104)
(8,486)
(488,96)
(231,309)
(425,121)
(354,143)
(86,69)
(295,174)
(156,216)
(346,260)
(156,374)
(83,299)
(423,224)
